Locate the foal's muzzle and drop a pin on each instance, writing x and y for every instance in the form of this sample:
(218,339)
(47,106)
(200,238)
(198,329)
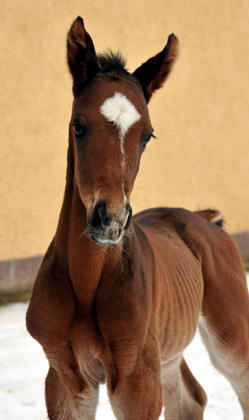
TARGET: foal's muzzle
(106,227)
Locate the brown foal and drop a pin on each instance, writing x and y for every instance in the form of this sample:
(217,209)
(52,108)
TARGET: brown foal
(118,298)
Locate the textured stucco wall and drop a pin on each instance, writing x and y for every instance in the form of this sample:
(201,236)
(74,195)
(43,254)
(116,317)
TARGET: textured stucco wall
(201,155)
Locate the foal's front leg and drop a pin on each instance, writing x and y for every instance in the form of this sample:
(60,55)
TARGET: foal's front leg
(70,394)
(52,321)
(65,405)
(138,393)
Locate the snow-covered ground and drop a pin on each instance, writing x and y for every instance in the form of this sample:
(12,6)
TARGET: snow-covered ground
(23,368)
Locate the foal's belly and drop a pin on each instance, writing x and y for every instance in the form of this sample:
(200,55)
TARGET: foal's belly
(179,288)
(177,337)
(179,315)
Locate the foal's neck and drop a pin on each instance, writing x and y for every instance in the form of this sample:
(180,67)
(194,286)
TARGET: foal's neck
(82,259)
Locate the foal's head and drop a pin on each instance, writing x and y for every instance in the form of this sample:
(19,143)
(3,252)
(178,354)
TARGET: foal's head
(109,128)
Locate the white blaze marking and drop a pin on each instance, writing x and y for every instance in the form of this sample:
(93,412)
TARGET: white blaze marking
(121,112)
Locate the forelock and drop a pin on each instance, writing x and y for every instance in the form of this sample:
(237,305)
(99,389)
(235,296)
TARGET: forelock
(112,62)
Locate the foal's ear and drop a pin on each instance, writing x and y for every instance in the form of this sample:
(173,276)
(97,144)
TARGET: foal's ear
(81,55)
(156,70)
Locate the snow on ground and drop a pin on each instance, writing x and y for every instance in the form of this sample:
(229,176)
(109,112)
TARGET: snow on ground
(23,368)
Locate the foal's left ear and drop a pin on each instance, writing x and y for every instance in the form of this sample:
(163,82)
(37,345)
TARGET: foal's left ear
(81,55)
(156,70)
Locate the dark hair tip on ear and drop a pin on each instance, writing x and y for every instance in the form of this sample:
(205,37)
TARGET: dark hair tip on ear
(173,44)
(172,37)
(79,19)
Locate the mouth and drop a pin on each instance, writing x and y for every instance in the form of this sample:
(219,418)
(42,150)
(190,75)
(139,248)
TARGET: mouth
(109,236)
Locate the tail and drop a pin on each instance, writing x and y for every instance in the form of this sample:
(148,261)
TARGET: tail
(213,216)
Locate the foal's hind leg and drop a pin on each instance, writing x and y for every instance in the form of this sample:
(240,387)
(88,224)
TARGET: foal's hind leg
(224,326)
(63,405)
(229,353)
(184,398)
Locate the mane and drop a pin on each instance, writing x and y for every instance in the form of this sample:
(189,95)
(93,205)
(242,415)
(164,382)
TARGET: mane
(112,62)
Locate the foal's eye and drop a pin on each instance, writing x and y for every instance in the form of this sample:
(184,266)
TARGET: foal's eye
(147,139)
(80,131)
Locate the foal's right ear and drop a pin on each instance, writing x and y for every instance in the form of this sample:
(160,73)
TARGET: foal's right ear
(81,55)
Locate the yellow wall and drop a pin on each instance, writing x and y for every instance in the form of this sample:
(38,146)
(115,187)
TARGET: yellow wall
(201,155)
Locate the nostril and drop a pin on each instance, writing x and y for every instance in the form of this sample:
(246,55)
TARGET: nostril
(96,219)
(99,217)
(129,213)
